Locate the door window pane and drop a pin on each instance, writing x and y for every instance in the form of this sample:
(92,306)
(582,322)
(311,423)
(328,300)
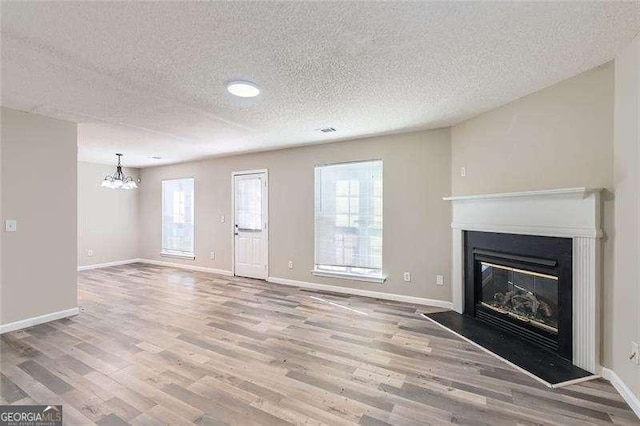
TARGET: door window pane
(249,200)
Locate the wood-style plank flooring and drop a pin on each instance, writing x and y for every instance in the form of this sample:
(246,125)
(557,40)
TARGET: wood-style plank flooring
(156,345)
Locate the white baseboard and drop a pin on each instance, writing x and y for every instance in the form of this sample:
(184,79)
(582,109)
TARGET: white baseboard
(624,391)
(185,266)
(159,263)
(107,264)
(366,293)
(30,322)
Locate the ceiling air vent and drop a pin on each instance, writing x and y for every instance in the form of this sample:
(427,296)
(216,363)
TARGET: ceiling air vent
(327,130)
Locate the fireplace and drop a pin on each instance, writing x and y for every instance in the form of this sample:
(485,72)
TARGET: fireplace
(569,222)
(521,284)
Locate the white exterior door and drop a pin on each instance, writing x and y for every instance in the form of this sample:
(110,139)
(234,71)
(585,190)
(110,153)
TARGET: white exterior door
(250,225)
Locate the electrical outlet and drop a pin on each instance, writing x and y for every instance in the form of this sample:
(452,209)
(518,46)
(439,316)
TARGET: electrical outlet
(213,255)
(11,225)
(290,264)
(407,276)
(222,219)
(439,280)
(89,253)
(634,356)
(463,171)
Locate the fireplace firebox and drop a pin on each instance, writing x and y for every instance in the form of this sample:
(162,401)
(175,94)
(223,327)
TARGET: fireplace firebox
(522,285)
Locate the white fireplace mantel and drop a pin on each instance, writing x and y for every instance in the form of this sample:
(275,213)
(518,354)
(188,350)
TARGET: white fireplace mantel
(568,212)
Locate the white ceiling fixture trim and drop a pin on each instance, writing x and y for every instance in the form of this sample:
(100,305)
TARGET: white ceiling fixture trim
(243,89)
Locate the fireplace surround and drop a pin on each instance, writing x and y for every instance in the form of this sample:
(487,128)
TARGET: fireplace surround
(572,214)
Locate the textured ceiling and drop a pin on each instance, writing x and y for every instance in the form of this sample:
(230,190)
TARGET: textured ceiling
(148,78)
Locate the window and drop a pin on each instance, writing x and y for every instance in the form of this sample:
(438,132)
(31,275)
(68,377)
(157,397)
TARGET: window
(177,217)
(348,220)
(249,203)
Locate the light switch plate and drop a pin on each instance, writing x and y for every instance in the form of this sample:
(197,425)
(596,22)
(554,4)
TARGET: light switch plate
(11,225)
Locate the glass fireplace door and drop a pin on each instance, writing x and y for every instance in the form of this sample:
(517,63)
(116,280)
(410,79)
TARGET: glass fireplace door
(526,295)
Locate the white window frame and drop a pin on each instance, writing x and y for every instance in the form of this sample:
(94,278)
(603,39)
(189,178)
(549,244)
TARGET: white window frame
(169,253)
(345,272)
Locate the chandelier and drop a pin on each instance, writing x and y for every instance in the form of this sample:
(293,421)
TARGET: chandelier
(119,180)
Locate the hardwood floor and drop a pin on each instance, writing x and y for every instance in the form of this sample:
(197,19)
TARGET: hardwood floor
(156,345)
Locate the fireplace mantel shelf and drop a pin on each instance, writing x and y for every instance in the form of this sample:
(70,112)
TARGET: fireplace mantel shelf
(580,192)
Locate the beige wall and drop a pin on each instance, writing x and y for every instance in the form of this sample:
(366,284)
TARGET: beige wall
(625,301)
(558,137)
(39,190)
(416,220)
(107,218)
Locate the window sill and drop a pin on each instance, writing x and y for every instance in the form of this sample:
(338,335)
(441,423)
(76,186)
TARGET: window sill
(348,276)
(178,256)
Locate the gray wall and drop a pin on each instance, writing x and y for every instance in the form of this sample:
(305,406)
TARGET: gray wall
(38,168)
(107,219)
(624,306)
(416,236)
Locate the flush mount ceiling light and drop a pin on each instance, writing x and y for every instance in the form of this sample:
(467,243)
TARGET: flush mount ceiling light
(119,180)
(243,89)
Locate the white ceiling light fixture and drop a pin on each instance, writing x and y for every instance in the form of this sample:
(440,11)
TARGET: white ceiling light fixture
(243,89)
(119,180)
